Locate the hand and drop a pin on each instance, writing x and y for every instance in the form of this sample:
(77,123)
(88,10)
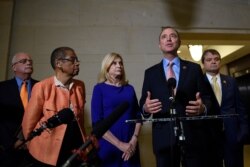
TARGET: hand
(152,106)
(125,148)
(133,144)
(131,149)
(196,107)
(127,155)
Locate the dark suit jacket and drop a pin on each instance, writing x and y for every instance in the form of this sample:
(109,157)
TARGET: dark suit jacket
(12,110)
(227,135)
(190,82)
(235,128)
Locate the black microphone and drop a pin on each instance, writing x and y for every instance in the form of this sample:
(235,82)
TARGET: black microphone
(64,116)
(99,129)
(171,83)
(103,126)
(171,86)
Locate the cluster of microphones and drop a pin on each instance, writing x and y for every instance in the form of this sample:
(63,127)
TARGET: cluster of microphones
(66,115)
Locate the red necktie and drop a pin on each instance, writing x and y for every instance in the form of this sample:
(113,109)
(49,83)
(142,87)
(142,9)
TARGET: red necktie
(24,94)
(170,71)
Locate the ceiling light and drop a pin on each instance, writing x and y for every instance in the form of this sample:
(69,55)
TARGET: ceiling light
(195,51)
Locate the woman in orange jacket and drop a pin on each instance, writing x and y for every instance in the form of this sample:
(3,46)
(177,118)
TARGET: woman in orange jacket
(49,96)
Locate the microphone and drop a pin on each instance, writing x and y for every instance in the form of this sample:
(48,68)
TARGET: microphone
(178,125)
(64,116)
(103,126)
(171,83)
(99,129)
(171,86)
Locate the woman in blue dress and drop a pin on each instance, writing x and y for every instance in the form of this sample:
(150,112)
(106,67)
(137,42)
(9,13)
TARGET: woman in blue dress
(119,145)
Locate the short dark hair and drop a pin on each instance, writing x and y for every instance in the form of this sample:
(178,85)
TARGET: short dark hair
(59,53)
(212,51)
(168,27)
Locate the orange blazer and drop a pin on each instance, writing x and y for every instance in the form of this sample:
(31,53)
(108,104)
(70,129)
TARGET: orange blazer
(46,100)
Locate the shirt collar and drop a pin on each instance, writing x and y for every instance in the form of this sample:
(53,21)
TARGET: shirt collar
(176,61)
(60,84)
(20,81)
(210,77)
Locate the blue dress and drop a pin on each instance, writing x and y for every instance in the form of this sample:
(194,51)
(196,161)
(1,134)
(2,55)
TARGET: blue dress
(105,99)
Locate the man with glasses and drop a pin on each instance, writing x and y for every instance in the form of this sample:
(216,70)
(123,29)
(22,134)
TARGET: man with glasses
(54,146)
(12,108)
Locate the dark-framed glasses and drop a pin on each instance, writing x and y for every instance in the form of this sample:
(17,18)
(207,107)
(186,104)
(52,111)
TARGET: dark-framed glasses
(73,60)
(23,61)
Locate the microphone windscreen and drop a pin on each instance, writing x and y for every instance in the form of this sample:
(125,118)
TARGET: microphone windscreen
(171,83)
(64,116)
(102,127)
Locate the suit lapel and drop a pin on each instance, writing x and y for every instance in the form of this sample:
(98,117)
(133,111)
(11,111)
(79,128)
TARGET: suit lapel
(162,72)
(163,78)
(224,85)
(33,82)
(212,95)
(15,91)
(182,75)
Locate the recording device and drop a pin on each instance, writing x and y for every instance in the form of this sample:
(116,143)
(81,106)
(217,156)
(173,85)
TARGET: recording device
(99,129)
(64,116)
(172,83)
(178,125)
(171,86)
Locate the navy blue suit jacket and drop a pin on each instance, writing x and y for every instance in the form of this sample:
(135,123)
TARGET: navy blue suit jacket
(236,128)
(190,82)
(226,136)
(12,111)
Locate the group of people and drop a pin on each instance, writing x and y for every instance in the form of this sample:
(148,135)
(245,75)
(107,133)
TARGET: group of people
(204,143)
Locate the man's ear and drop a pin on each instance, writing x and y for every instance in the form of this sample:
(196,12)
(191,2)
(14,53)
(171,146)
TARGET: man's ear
(14,68)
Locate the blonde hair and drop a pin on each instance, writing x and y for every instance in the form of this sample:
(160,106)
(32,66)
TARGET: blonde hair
(106,63)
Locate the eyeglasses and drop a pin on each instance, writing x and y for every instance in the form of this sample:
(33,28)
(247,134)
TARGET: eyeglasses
(23,61)
(73,60)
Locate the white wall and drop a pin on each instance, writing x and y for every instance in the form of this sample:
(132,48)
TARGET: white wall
(5,31)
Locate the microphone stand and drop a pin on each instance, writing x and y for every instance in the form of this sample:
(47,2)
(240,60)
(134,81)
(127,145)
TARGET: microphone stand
(181,143)
(75,154)
(178,129)
(87,153)
(173,124)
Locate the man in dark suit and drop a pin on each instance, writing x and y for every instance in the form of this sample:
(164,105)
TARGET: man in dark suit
(12,109)
(228,135)
(190,100)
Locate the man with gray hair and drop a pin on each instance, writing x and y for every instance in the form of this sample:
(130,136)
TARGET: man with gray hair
(14,95)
